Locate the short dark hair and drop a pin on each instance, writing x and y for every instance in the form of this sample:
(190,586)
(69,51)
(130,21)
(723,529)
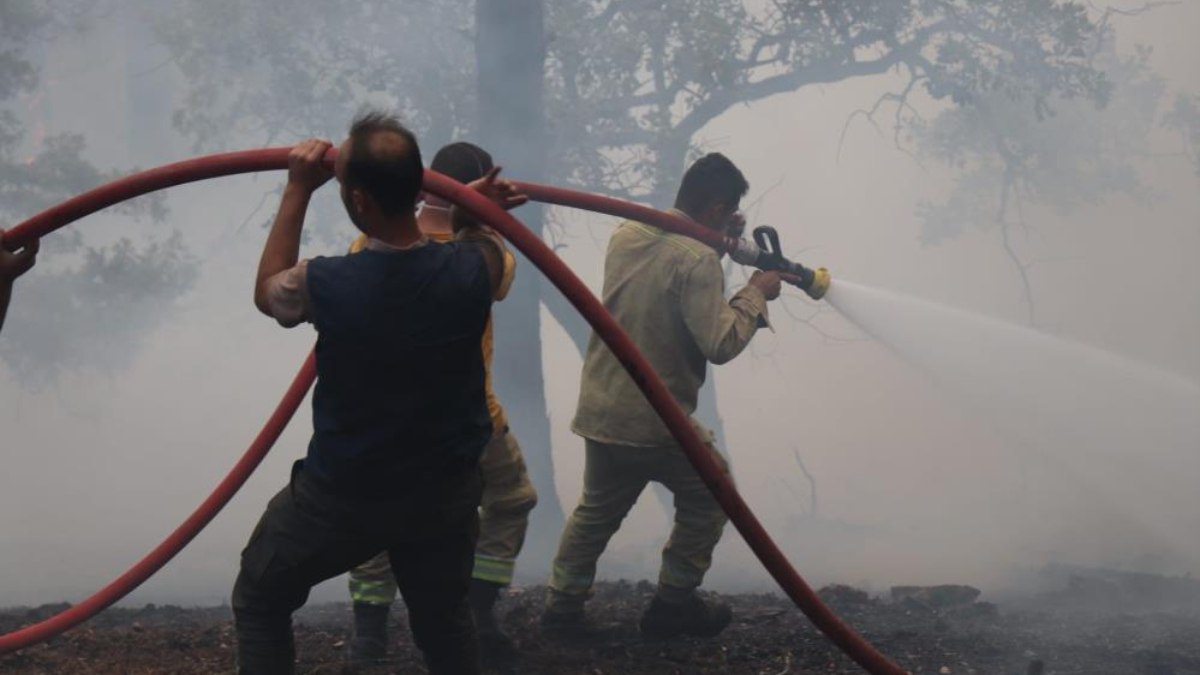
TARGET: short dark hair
(392,178)
(712,179)
(462,161)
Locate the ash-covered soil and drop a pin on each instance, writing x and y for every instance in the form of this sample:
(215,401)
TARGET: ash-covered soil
(1094,623)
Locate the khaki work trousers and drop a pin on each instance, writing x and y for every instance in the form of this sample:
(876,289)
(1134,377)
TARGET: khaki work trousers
(508,497)
(613,479)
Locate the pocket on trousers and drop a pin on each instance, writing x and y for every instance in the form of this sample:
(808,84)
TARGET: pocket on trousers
(258,554)
(262,550)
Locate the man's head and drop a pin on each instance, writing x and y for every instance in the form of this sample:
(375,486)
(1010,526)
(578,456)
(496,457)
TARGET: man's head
(462,161)
(711,191)
(379,167)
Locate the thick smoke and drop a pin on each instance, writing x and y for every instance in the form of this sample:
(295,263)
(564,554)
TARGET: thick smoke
(867,469)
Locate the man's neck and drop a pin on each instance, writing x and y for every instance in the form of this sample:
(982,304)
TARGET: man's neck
(401,233)
(680,212)
(435,220)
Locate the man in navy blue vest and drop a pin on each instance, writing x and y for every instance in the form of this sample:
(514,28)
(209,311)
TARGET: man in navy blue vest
(400,413)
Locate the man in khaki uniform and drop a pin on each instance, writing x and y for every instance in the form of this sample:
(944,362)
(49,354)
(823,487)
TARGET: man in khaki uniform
(508,494)
(668,292)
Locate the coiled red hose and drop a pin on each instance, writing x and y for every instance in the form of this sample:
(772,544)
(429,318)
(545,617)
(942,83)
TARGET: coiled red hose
(555,270)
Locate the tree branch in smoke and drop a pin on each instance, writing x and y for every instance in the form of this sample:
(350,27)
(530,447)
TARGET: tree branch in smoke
(658,76)
(1184,118)
(628,85)
(813,509)
(86,305)
(96,315)
(1070,154)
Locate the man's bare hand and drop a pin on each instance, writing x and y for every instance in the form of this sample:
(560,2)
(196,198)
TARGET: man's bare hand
(306,165)
(500,192)
(767,282)
(13,265)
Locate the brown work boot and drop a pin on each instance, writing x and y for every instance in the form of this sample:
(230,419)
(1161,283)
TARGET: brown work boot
(691,616)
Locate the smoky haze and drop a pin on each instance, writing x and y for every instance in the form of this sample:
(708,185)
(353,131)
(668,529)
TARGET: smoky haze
(866,470)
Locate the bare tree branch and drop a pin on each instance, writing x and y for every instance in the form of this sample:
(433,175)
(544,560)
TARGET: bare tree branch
(1006,194)
(812,483)
(902,104)
(822,72)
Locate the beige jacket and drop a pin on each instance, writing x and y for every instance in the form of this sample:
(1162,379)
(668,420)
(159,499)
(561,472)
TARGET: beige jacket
(668,292)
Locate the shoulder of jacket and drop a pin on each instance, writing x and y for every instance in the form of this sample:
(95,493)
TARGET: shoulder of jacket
(688,248)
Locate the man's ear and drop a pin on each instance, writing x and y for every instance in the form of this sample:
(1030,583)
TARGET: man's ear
(713,215)
(359,200)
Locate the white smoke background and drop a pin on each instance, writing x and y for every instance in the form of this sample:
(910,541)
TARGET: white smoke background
(911,485)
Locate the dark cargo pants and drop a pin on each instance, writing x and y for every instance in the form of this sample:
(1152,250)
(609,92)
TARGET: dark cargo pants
(309,534)
(508,497)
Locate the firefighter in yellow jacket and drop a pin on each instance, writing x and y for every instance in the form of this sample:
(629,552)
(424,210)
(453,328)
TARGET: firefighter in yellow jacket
(508,495)
(668,292)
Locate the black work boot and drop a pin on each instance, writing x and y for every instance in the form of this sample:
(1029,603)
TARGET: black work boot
(494,645)
(369,644)
(564,618)
(689,616)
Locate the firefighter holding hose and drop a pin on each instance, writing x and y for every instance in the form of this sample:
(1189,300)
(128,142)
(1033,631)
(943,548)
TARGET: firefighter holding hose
(668,292)
(400,413)
(508,494)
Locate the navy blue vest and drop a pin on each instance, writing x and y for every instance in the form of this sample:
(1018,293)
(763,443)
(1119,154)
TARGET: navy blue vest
(400,394)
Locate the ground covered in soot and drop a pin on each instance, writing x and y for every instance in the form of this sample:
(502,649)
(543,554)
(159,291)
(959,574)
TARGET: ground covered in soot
(1092,623)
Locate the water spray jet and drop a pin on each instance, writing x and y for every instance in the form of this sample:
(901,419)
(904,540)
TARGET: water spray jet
(1120,436)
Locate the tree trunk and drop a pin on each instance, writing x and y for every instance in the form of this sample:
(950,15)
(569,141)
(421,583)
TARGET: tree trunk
(510,53)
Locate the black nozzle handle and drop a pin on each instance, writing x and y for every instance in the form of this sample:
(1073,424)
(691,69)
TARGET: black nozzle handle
(771,258)
(767,239)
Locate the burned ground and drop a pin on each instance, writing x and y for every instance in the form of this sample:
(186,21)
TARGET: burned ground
(1092,624)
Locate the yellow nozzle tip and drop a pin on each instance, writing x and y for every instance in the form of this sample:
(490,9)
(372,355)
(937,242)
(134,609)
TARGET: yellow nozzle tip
(820,284)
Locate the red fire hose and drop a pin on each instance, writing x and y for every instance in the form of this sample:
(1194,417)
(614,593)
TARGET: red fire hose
(555,270)
(623,209)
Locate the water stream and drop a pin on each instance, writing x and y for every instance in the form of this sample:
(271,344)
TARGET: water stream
(1124,434)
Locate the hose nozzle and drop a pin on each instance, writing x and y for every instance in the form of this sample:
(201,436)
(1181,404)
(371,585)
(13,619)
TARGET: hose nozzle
(820,284)
(764,253)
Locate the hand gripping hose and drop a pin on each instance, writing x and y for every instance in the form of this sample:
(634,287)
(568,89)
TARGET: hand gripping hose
(555,270)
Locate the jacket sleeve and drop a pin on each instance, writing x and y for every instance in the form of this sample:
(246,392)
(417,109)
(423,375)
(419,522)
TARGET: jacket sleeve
(721,328)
